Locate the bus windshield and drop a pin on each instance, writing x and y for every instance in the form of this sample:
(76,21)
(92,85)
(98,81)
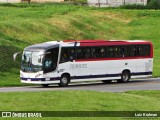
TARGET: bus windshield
(32,61)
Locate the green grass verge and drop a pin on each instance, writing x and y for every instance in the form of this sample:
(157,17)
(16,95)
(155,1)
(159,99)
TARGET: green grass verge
(22,25)
(80,101)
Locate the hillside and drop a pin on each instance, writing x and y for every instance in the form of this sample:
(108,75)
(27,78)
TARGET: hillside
(22,25)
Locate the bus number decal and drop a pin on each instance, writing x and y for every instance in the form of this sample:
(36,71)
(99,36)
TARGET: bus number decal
(76,66)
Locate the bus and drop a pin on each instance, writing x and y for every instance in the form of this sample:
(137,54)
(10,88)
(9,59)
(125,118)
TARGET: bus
(62,62)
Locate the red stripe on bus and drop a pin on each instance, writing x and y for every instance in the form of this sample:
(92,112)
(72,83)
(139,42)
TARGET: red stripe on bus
(108,42)
(118,43)
(101,59)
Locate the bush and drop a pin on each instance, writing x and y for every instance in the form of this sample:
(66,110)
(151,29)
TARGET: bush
(154,4)
(133,6)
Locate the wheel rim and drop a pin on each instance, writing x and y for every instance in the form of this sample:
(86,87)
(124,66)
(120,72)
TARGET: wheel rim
(64,80)
(125,77)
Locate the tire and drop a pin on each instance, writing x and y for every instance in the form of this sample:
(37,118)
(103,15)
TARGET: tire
(45,85)
(64,81)
(106,81)
(125,76)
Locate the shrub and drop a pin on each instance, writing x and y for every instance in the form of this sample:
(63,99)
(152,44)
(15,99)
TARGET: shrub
(154,4)
(133,6)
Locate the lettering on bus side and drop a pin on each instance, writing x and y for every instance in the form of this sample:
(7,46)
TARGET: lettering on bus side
(78,66)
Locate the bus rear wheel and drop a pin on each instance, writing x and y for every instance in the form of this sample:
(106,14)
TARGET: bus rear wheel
(125,76)
(64,81)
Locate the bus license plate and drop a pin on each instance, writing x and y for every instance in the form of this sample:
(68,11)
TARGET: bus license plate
(28,79)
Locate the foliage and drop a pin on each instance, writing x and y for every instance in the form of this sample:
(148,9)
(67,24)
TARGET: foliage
(152,4)
(133,6)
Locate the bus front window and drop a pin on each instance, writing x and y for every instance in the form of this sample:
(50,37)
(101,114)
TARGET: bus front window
(31,61)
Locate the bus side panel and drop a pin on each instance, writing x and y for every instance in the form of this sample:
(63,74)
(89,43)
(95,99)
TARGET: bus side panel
(110,69)
(137,67)
(65,68)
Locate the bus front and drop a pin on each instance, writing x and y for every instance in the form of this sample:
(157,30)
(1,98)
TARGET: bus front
(39,63)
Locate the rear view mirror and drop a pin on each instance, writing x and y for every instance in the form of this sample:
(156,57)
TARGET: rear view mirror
(15,55)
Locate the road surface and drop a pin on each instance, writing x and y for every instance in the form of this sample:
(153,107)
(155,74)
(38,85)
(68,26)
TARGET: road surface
(138,84)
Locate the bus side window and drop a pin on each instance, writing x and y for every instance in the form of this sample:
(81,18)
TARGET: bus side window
(115,51)
(94,52)
(71,53)
(146,50)
(64,56)
(110,52)
(67,54)
(87,52)
(143,50)
(98,52)
(83,52)
(102,52)
(130,51)
(138,51)
(79,53)
(121,51)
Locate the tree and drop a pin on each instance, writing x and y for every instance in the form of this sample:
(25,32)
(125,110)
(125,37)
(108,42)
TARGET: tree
(29,1)
(148,1)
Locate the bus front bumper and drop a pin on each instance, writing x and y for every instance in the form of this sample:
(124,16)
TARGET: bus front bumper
(39,80)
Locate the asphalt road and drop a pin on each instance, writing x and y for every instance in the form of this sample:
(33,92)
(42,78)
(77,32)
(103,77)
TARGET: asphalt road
(137,84)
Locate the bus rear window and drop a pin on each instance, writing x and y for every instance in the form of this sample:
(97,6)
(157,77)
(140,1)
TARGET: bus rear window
(137,50)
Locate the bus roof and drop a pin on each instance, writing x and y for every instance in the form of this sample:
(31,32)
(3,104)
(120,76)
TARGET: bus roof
(107,42)
(42,46)
(71,43)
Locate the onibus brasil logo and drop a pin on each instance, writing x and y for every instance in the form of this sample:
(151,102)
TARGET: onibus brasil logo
(21,114)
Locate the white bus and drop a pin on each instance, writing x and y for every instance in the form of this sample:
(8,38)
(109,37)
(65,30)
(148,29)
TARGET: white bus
(63,62)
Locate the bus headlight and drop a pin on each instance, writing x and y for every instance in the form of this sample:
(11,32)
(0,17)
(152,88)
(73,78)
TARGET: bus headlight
(38,75)
(21,75)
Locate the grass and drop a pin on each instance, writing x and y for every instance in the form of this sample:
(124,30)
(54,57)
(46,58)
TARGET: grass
(80,101)
(22,25)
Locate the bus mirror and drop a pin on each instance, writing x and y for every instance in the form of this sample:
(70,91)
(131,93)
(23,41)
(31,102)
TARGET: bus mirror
(15,55)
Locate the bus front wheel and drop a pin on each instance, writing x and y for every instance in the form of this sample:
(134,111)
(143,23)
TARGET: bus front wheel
(125,76)
(64,81)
